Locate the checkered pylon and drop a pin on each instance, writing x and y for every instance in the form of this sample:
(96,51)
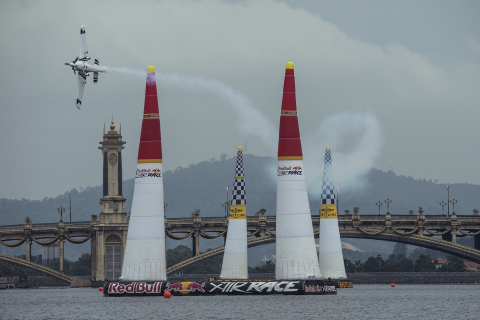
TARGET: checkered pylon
(238,193)
(328,190)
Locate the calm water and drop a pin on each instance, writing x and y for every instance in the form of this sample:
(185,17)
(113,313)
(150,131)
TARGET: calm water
(362,302)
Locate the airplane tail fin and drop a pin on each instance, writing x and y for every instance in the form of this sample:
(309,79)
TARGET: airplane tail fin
(96,62)
(95,75)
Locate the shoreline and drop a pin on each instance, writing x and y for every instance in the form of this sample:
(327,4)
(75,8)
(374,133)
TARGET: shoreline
(357,278)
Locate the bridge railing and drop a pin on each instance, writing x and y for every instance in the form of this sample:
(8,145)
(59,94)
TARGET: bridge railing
(45,224)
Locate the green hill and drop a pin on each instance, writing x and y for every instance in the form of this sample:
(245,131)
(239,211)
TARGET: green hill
(203,186)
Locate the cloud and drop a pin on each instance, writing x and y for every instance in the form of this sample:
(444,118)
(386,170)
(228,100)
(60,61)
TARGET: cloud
(472,44)
(241,47)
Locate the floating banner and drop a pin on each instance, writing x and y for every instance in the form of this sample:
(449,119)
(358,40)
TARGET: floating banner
(228,287)
(344,283)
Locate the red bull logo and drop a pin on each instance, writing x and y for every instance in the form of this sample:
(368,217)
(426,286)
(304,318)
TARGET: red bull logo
(289,170)
(144,173)
(174,287)
(185,287)
(193,286)
(134,287)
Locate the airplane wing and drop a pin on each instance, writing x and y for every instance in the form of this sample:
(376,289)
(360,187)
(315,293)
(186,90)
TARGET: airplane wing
(82,79)
(83,44)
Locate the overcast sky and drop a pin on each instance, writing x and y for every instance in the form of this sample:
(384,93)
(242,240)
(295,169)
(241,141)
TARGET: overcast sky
(391,85)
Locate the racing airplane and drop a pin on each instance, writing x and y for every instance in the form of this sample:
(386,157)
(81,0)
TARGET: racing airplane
(81,66)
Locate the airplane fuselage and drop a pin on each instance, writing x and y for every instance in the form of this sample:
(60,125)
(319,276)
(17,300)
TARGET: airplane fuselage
(85,67)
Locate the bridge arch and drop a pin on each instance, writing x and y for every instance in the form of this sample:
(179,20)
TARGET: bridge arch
(416,240)
(215,252)
(423,241)
(35,267)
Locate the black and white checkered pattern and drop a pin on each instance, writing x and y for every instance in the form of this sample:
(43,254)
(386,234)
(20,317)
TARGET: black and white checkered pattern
(239,166)
(328,189)
(238,193)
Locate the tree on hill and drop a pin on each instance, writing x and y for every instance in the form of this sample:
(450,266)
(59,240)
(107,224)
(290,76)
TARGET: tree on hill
(398,262)
(454,264)
(374,264)
(81,267)
(178,254)
(404,265)
(359,266)
(424,264)
(268,267)
(349,266)
(400,249)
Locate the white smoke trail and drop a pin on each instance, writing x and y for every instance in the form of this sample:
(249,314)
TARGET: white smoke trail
(349,168)
(127,71)
(250,120)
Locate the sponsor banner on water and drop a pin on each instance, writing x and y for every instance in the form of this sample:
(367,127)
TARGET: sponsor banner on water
(232,287)
(115,288)
(289,170)
(345,284)
(317,288)
(144,173)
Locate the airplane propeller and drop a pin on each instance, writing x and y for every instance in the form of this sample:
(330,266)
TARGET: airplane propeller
(68,64)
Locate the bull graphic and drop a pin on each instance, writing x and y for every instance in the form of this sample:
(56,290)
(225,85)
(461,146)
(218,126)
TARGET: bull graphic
(174,287)
(193,286)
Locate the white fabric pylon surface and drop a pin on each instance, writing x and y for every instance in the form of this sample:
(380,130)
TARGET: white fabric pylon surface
(330,247)
(235,264)
(296,256)
(144,257)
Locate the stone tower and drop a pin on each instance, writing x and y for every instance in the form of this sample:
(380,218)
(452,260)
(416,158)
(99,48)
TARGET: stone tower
(112,201)
(110,230)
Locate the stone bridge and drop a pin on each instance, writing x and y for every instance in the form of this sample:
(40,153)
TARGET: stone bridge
(420,230)
(35,267)
(54,232)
